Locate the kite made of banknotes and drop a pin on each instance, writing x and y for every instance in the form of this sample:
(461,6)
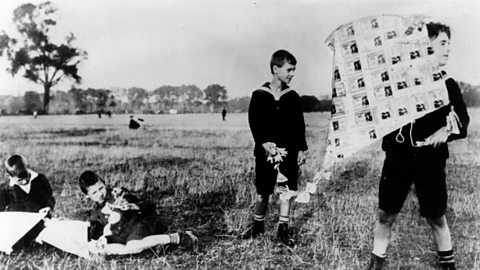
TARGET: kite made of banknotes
(384,76)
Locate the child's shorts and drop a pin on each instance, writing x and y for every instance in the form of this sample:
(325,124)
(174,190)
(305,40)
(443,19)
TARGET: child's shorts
(428,176)
(266,175)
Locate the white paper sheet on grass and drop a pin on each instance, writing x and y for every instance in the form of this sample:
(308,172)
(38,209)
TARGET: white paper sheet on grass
(14,225)
(68,235)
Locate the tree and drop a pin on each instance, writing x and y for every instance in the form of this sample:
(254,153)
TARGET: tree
(471,94)
(61,103)
(41,61)
(137,97)
(216,95)
(191,96)
(310,103)
(78,99)
(239,104)
(167,96)
(32,101)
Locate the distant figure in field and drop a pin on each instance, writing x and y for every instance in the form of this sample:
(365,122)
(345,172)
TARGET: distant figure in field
(224,114)
(276,119)
(35,113)
(109,114)
(99,114)
(133,123)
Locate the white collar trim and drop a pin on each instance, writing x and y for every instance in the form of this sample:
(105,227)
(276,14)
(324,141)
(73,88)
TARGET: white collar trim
(276,95)
(26,188)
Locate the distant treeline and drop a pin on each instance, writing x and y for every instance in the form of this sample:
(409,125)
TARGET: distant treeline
(165,99)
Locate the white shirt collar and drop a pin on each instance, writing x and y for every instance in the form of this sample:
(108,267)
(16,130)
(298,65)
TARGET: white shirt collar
(26,188)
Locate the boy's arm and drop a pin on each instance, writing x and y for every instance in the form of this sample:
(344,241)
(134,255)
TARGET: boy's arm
(456,100)
(141,205)
(432,126)
(3,199)
(255,119)
(438,118)
(46,193)
(302,141)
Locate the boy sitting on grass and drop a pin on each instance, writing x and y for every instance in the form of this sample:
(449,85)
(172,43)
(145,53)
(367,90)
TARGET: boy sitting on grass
(26,191)
(121,223)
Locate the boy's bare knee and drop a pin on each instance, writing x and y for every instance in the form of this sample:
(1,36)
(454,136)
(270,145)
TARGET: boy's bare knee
(385,218)
(262,198)
(439,222)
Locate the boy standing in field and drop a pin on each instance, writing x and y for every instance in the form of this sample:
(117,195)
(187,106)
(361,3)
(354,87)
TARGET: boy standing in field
(409,162)
(121,223)
(26,191)
(276,120)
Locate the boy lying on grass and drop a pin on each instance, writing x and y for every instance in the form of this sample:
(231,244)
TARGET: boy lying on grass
(121,223)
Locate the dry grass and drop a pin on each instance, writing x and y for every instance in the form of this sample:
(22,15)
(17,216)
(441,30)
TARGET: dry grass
(199,171)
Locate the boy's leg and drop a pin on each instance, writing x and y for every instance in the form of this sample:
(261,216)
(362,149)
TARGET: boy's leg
(441,233)
(283,220)
(382,233)
(443,240)
(394,187)
(258,226)
(289,168)
(265,180)
(432,196)
(137,246)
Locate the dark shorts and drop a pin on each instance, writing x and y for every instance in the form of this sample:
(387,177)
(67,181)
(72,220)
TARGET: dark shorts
(266,175)
(136,227)
(428,176)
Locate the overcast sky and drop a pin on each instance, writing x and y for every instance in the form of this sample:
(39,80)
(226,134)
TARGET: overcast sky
(147,43)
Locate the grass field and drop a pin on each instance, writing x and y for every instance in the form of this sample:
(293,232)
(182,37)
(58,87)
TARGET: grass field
(199,170)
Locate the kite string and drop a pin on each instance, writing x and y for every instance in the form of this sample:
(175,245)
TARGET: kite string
(399,138)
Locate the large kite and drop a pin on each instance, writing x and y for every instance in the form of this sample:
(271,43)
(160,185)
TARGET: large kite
(384,76)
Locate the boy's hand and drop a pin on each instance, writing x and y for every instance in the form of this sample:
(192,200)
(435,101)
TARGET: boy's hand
(45,211)
(125,206)
(302,157)
(438,138)
(269,148)
(98,247)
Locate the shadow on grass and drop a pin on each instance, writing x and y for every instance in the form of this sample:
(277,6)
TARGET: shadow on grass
(75,132)
(149,163)
(202,213)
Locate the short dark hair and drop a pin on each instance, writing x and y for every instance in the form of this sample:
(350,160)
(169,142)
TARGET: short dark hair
(87,179)
(16,165)
(435,28)
(280,57)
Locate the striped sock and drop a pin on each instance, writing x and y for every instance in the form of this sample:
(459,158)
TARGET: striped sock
(174,238)
(284,219)
(259,218)
(446,257)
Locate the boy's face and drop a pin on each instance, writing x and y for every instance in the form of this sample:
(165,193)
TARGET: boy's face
(441,48)
(284,73)
(97,192)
